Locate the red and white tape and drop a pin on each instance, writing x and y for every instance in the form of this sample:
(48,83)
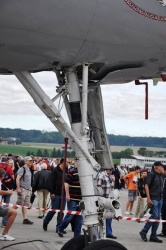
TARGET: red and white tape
(79,213)
(42,209)
(140,219)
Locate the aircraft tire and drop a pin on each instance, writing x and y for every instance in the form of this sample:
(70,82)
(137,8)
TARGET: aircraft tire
(77,243)
(105,245)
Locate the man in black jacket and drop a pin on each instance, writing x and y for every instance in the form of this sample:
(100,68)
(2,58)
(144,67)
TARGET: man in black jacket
(154,193)
(163,211)
(55,193)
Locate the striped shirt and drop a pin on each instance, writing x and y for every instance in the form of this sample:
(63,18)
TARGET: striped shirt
(72,179)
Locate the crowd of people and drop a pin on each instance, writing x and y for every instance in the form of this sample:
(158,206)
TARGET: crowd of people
(31,176)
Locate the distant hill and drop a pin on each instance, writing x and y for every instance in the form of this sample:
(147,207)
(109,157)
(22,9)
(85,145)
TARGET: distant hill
(55,137)
(123,140)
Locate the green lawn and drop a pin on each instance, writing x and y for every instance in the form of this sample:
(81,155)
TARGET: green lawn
(20,150)
(32,148)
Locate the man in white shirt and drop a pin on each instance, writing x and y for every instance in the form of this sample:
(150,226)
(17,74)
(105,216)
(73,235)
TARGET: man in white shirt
(6,211)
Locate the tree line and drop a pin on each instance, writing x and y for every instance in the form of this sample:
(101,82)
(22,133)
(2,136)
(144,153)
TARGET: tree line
(55,137)
(141,151)
(56,153)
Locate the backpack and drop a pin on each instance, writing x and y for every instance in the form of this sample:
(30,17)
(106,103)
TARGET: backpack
(7,182)
(15,177)
(141,187)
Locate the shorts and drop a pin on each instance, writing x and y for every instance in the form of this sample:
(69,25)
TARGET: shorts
(24,198)
(3,211)
(132,195)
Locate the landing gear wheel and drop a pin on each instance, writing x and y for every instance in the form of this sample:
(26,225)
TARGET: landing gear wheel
(77,243)
(105,245)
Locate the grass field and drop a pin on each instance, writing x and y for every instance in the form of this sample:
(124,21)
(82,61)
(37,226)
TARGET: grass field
(21,149)
(41,145)
(34,147)
(134,148)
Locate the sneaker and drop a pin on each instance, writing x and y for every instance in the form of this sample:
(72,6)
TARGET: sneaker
(131,213)
(127,213)
(60,234)
(155,240)
(3,226)
(28,222)
(6,237)
(143,236)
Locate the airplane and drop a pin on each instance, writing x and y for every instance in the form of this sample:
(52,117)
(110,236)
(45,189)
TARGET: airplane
(86,43)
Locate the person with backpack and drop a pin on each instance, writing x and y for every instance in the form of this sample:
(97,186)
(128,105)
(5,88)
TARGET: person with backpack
(154,193)
(24,188)
(7,184)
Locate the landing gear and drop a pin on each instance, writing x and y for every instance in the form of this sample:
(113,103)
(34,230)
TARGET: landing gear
(88,138)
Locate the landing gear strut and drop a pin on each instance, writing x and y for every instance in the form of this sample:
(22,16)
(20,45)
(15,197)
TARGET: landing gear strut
(87,136)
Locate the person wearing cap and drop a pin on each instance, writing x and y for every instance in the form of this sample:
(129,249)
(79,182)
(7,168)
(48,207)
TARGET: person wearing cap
(154,192)
(40,184)
(163,210)
(23,183)
(11,213)
(106,181)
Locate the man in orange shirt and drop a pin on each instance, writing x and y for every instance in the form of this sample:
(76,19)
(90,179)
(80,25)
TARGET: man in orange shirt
(131,183)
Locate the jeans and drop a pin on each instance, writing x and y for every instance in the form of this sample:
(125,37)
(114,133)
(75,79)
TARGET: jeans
(6,199)
(108,227)
(73,206)
(155,214)
(55,204)
(163,216)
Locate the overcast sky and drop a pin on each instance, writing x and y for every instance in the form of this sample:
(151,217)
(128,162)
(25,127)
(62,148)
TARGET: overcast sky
(124,106)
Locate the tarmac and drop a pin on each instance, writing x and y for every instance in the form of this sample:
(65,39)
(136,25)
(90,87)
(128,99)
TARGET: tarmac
(33,237)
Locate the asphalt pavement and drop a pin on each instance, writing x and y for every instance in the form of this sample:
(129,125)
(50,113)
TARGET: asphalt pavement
(33,237)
